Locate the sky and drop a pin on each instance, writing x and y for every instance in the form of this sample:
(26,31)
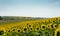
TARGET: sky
(30,8)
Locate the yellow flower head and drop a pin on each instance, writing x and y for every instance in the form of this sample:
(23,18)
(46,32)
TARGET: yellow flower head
(43,27)
(49,26)
(57,31)
(55,25)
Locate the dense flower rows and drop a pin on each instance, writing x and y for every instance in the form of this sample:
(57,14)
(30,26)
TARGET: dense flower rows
(42,27)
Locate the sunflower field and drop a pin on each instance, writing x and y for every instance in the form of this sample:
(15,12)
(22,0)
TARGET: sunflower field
(36,27)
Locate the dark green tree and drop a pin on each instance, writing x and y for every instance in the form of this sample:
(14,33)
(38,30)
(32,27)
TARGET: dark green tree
(0,18)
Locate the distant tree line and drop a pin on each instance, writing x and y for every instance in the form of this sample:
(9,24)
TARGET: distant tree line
(17,18)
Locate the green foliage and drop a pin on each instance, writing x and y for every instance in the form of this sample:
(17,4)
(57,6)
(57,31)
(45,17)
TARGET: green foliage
(0,18)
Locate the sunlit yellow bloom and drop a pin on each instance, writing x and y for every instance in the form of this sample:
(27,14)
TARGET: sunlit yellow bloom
(30,26)
(37,28)
(49,26)
(55,25)
(43,26)
(56,31)
(58,25)
(3,31)
(23,28)
(53,20)
(58,19)
(43,21)
(46,20)
(8,30)
(18,30)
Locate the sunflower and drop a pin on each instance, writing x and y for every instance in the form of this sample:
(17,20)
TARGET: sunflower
(57,32)
(43,27)
(13,29)
(37,28)
(46,21)
(50,26)
(58,25)
(43,21)
(18,30)
(52,20)
(30,27)
(58,19)
(7,29)
(55,25)
(2,31)
(24,28)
